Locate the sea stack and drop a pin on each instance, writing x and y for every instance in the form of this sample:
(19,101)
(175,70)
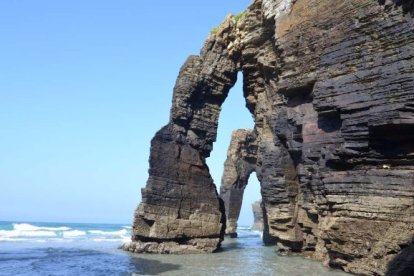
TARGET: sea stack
(330,85)
(257,216)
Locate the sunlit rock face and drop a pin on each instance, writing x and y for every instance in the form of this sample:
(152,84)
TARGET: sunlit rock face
(180,210)
(330,85)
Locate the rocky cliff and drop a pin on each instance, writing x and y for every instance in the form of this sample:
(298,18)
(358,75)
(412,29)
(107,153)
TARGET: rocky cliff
(331,86)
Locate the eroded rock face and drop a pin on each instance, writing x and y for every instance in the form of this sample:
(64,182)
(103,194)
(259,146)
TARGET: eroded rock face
(331,87)
(240,163)
(257,216)
(180,210)
(337,165)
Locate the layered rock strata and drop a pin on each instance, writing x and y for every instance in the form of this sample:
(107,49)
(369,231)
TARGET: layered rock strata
(331,87)
(180,211)
(240,163)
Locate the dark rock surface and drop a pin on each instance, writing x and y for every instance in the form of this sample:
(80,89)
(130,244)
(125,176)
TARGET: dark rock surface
(331,87)
(180,210)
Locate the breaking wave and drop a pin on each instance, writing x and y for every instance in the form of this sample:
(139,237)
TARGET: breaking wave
(109,233)
(73,233)
(25,232)
(29,227)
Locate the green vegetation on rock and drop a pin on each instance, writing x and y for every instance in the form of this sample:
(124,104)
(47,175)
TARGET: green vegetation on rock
(214,30)
(238,16)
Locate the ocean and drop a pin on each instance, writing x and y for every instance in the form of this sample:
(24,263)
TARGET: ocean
(92,249)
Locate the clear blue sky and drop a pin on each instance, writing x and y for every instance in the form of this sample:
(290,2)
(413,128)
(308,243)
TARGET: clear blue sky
(84,85)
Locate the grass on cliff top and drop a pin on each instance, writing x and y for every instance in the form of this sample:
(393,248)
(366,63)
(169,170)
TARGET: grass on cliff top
(236,17)
(214,30)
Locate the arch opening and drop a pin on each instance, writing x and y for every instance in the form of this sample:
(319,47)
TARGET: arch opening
(233,115)
(180,196)
(238,154)
(251,212)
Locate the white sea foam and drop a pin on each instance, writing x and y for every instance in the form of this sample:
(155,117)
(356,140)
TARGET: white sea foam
(243,228)
(259,233)
(25,230)
(106,240)
(14,239)
(25,233)
(73,233)
(109,233)
(24,240)
(29,227)
(126,239)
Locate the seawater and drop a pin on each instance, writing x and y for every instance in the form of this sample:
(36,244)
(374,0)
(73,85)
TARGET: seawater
(92,249)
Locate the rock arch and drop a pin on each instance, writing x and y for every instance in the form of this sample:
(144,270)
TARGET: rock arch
(329,84)
(180,209)
(240,163)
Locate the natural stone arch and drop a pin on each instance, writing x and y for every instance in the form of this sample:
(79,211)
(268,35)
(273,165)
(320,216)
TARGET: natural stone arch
(180,209)
(240,163)
(329,83)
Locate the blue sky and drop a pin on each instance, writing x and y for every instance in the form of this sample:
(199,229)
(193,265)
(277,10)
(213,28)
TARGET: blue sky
(84,86)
